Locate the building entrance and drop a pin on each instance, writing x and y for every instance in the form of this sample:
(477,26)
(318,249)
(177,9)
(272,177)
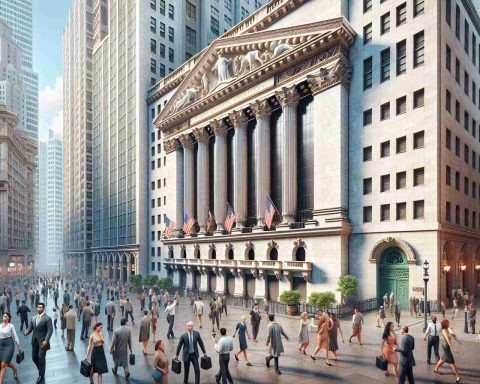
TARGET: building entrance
(392,276)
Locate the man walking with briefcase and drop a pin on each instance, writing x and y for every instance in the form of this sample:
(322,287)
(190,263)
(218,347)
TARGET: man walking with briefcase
(189,341)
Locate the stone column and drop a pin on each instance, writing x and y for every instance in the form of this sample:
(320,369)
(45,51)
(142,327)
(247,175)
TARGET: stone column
(260,286)
(220,171)
(174,145)
(239,285)
(288,98)
(202,178)
(189,282)
(121,265)
(129,267)
(283,285)
(240,163)
(176,278)
(220,288)
(203,281)
(262,111)
(188,176)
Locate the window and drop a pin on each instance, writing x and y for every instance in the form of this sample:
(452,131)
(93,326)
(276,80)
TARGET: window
(466,82)
(385,111)
(466,120)
(457,71)
(457,110)
(457,214)
(171,34)
(401,180)
(162,7)
(385,149)
(466,35)
(402,14)
(384,183)
(367,214)
(367,5)
(448,175)
(162,50)
(153,65)
(418,49)
(367,73)
(159,266)
(171,11)
(190,36)
(474,49)
(418,209)
(367,186)
(457,21)
(418,7)
(385,61)
(401,57)
(418,139)
(367,117)
(153,4)
(162,70)
(474,190)
(401,211)
(367,33)
(418,177)
(466,216)
(402,144)
(448,101)
(448,211)
(153,45)
(466,153)
(474,160)
(367,153)
(474,220)
(153,24)
(457,146)
(419,98)
(448,12)
(401,105)
(385,23)
(448,58)
(457,181)
(474,93)
(171,55)
(385,212)
(153,266)
(191,11)
(162,30)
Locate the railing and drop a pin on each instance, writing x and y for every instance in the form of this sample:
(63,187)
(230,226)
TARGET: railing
(270,264)
(194,262)
(227,263)
(251,222)
(247,264)
(297,265)
(209,262)
(297,225)
(304,215)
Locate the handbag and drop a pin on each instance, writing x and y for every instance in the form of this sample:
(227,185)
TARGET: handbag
(381,363)
(132,359)
(85,368)
(206,362)
(20,357)
(176,366)
(157,375)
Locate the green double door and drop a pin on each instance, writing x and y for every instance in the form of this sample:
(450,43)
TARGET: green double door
(392,276)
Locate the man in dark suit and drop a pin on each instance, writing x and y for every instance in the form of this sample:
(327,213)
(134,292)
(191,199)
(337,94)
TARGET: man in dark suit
(42,328)
(110,312)
(406,362)
(22,311)
(190,353)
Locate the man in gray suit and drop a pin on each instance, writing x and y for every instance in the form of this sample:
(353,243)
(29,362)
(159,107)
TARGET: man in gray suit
(42,328)
(71,325)
(406,362)
(189,341)
(121,343)
(110,312)
(86,320)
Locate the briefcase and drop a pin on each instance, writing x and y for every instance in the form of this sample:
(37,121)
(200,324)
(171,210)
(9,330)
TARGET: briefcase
(132,359)
(206,362)
(20,357)
(176,366)
(85,368)
(381,363)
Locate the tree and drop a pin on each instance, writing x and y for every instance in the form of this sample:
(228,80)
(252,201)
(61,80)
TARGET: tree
(290,297)
(136,281)
(347,286)
(150,281)
(165,283)
(322,300)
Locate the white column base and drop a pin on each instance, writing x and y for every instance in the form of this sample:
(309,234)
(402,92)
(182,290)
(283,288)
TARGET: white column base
(260,287)
(189,282)
(220,288)
(204,282)
(239,285)
(283,227)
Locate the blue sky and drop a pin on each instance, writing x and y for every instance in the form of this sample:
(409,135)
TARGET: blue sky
(49,18)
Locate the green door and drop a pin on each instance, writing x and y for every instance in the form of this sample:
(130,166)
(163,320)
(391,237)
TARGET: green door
(392,276)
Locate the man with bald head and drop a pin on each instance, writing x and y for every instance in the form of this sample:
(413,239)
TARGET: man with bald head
(189,341)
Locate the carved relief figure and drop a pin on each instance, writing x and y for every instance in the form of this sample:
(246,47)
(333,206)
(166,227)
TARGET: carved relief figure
(188,98)
(247,62)
(222,68)
(278,49)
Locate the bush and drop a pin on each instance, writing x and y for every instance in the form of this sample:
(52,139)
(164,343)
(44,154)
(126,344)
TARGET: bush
(347,286)
(290,297)
(136,281)
(150,281)
(165,283)
(322,300)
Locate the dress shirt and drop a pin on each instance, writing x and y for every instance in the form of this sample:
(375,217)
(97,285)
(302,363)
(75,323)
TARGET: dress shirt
(170,310)
(39,317)
(224,345)
(434,329)
(8,331)
(357,319)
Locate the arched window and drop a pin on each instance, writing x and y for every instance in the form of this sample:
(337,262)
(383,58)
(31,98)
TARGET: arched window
(300,254)
(213,254)
(274,254)
(230,254)
(170,253)
(197,253)
(183,253)
(251,254)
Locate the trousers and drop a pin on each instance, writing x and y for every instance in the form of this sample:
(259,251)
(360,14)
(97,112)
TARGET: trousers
(85,326)
(70,338)
(110,322)
(38,357)
(186,365)
(171,321)
(224,372)
(275,359)
(433,342)
(255,328)
(404,373)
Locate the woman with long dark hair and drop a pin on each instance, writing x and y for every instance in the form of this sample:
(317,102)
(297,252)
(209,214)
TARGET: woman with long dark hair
(389,342)
(8,338)
(447,356)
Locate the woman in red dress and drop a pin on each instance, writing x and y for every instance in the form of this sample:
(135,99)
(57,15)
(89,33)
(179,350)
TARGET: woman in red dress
(389,342)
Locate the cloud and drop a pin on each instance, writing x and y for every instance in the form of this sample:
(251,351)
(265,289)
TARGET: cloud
(51,99)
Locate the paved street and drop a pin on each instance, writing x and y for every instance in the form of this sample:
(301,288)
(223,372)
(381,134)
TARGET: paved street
(356,363)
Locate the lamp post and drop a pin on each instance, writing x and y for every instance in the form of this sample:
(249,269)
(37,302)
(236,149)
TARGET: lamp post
(426,277)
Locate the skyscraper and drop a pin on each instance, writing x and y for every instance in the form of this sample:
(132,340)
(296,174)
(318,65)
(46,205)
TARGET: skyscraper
(18,15)
(50,199)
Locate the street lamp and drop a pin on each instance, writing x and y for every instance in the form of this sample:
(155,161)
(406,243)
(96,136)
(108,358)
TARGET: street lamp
(426,277)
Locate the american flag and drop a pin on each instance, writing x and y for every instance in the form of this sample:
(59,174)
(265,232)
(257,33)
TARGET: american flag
(230,219)
(188,223)
(170,225)
(269,212)
(211,222)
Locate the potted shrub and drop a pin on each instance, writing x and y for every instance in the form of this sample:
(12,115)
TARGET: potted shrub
(348,287)
(322,300)
(292,299)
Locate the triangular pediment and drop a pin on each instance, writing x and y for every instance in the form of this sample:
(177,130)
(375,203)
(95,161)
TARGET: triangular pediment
(232,64)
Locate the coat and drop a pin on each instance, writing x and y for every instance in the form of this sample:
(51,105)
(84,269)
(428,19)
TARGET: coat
(406,351)
(110,308)
(184,342)
(71,319)
(121,344)
(275,332)
(144,329)
(42,332)
(87,314)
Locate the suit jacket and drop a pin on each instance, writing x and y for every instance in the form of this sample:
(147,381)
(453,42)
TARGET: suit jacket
(110,308)
(185,343)
(23,311)
(406,351)
(71,319)
(41,332)
(121,344)
(87,314)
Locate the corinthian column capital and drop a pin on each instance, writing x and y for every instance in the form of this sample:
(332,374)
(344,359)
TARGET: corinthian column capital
(171,145)
(200,134)
(237,117)
(186,140)
(218,127)
(287,95)
(261,108)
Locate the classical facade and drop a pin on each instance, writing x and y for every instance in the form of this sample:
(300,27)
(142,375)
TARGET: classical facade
(361,127)
(17,198)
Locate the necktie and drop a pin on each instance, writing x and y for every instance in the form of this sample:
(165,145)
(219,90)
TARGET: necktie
(435,327)
(190,343)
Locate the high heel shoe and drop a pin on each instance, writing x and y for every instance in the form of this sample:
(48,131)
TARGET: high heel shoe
(313,357)
(328,363)
(458,380)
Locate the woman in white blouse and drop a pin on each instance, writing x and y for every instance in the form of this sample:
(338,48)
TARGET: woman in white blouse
(7,346)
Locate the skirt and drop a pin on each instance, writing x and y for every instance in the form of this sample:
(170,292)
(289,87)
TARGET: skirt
(7,347)
(447,354)
(99,362)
